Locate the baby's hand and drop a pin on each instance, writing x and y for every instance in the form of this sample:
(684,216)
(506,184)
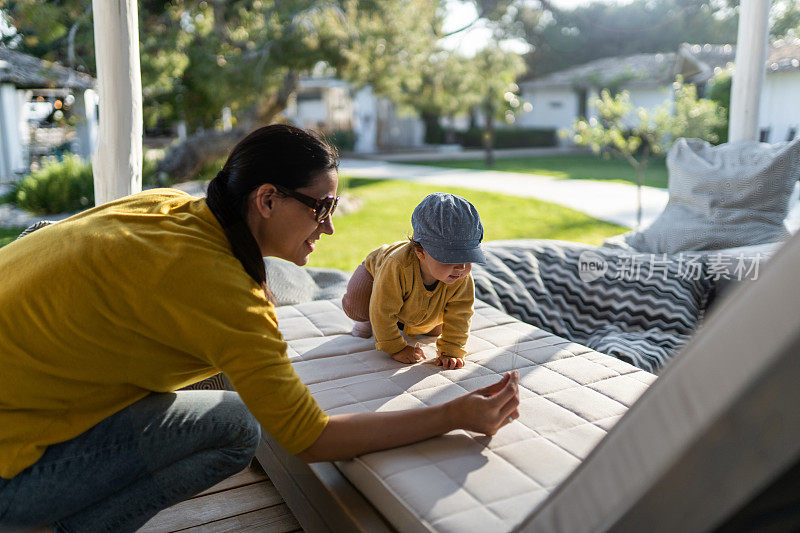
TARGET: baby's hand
(449,363)
(409,355)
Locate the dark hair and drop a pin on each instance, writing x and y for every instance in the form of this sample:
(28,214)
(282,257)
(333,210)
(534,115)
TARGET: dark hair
(415,244)
(279,154)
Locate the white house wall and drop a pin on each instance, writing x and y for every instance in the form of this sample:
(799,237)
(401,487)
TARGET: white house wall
(648,98)
(780,104)
(340,108)
(551,108)
(558,108)
(398,131)
(365,120)
(312,113)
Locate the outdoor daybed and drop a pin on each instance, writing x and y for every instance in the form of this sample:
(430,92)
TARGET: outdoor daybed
(706,437)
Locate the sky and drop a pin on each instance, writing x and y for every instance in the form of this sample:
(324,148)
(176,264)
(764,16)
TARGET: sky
(468,42)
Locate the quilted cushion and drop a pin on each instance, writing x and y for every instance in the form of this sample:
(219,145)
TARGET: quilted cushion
(735,194)
(291,284)
(570,397)
(641,307)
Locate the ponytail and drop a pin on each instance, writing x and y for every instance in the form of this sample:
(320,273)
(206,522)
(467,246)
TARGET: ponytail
(243,244)
(279,154)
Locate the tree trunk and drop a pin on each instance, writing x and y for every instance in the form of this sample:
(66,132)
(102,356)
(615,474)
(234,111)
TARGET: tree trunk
(645,158)
(639,170)
(488,134)
(450,132)
(184,160)
(432,128)
(473,119)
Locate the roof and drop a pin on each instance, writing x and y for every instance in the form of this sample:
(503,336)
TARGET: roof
(696,62)
(638,69)
(784,54)
(28,72)
(711,55)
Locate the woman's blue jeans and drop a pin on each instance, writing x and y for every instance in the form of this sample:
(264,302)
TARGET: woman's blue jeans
(151,455)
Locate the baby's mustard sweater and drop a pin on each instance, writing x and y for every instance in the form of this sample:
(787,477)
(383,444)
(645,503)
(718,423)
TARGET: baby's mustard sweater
(399,295)
(136,296)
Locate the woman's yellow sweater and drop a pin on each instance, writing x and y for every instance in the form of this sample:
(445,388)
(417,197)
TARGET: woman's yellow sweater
(399,295)
(139,295)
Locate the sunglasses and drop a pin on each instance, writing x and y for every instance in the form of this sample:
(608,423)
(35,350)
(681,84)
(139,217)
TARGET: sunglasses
(322,208)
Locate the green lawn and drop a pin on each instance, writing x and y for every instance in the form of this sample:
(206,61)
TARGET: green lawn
(9,234)
(574,166)
(386,217)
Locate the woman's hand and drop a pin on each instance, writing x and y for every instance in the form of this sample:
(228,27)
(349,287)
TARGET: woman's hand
(409,355)
(449,363)
(484,411)
(488,409)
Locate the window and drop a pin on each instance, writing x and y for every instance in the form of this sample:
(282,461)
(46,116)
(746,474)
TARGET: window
(309,95)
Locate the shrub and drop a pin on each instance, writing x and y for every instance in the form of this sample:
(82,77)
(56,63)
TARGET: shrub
(149,176)
(65,186)
(509,138)
(210,169)
(343,140)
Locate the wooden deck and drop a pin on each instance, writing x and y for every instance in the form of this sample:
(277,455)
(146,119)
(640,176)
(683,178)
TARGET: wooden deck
(247,501)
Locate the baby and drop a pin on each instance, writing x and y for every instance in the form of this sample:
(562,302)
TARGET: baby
(421,286)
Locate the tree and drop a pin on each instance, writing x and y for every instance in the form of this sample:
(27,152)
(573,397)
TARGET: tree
(785,19)
(248,55)
(57,30)
(720,92)
(453,84)
(566,37)
(447,89)
(499,71)
(635,135)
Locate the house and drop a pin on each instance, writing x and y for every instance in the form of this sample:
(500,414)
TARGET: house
(322,102)
(559,98)
(780,98)
(32,90)
(330,104)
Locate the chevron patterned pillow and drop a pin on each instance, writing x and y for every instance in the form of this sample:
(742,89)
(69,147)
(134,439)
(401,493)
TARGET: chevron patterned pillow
(638,307)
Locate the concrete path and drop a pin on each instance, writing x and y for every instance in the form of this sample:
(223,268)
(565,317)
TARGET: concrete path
(609,201)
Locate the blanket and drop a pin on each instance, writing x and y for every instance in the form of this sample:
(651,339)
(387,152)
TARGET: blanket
(641,308)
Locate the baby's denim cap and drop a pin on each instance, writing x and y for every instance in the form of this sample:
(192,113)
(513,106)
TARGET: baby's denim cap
(448,228)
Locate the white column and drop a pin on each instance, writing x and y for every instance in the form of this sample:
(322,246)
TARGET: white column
(86,109)
(117,163)
(12,161)
(365,121)
(749,69)
(227,119)
(181,129)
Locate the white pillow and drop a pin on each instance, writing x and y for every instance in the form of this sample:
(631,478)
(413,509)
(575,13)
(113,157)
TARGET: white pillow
(725,196)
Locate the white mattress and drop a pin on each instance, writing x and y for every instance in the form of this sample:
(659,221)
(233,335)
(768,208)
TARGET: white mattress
(570,397)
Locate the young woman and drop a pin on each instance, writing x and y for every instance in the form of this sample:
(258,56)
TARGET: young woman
(104,315)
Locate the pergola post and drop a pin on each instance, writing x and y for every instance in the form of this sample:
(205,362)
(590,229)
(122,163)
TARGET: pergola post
(117,162)
(749,70)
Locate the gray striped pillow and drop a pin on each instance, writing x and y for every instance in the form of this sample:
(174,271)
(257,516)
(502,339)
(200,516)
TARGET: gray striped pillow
(639,307)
